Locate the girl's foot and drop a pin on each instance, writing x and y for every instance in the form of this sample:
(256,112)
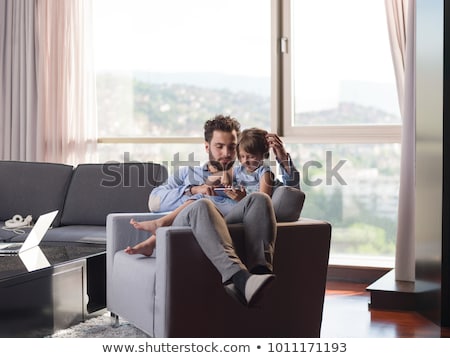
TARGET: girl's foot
(150,225)
(145,247)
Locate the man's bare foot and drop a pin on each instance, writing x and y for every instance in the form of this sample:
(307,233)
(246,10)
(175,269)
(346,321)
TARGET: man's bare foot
(145,247)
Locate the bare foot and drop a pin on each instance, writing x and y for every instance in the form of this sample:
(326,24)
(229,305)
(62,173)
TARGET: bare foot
(150,225)
(145,247)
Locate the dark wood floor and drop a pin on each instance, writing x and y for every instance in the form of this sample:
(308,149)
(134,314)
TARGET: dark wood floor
(347,315)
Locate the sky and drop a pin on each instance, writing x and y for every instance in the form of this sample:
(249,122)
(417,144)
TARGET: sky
(345,40)
(211,34)
(180,35)
(346,43)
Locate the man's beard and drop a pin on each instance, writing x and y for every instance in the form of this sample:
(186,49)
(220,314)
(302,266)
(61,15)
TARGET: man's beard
(219,166)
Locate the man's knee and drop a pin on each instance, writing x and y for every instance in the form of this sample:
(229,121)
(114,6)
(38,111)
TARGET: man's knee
(260,198)
(198,209)
(202,205)
(287,203)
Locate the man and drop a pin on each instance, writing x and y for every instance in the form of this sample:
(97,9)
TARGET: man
(189,183)
(208,214)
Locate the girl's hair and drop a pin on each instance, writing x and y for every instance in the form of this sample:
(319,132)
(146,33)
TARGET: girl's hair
(253,141)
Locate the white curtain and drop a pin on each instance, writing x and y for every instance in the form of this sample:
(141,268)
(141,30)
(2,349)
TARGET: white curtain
(47,81)
(401,25)
(66,80)
(18,95)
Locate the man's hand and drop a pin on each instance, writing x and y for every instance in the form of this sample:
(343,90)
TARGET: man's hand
(203,189)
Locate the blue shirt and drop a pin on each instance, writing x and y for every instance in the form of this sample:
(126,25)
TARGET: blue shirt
(169,196)
(249,180)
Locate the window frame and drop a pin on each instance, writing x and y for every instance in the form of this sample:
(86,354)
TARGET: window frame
(283,91)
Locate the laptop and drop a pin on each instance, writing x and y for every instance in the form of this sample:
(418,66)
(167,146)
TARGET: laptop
(34,259)
(34,237)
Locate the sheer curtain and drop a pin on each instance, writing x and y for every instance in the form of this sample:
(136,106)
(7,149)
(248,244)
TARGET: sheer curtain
(47,81)
(18,95)
(401,25)
(66,80)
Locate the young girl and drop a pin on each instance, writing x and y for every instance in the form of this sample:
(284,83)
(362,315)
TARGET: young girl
(252,175)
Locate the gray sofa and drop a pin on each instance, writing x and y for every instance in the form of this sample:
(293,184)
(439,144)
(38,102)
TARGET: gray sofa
(177,292)
(84,196)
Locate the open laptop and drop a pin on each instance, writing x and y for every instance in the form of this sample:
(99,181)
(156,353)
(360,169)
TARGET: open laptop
(34,237)
(34,259)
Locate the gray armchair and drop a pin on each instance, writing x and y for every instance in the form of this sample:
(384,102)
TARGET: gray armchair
(177,292)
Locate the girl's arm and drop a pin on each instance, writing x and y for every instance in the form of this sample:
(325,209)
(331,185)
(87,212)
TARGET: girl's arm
(266,183)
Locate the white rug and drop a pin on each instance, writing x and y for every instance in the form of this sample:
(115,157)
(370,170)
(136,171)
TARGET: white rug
(100,327)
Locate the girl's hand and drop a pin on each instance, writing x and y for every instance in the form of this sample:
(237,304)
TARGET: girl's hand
(277,146)
(236,194)
(279,150)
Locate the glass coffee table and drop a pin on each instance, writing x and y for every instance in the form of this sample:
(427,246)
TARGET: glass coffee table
(51,288)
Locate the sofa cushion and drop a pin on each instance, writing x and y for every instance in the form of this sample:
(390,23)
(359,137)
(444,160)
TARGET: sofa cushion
(32,188)
(7,235)
(77,234)
(99,189)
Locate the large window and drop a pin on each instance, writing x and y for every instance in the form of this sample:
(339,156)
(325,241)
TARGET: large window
(355,188)
(343,73)
(340,110)
(318,72)
(163,67)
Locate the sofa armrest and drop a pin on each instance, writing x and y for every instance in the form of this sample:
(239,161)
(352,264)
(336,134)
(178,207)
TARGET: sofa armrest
(120,234)
(189,288)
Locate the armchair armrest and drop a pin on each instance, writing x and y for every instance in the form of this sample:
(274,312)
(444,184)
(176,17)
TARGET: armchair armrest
(190,299)
(120,234)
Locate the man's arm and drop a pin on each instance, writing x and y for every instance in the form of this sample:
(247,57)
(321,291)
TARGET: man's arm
(175,192)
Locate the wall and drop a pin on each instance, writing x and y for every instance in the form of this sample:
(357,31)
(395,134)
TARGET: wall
(432,182)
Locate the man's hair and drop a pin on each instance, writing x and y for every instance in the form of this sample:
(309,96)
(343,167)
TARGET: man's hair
(221,123)
(254,141)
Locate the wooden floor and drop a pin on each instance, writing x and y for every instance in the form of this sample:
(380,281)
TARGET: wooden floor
(347,315)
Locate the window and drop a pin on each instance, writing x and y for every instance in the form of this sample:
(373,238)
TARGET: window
(342,65)
(163,67)
(340,102)
(355,187)
(319,72)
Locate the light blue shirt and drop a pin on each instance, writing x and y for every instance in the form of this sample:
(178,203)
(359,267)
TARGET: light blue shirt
(249,180)
(169,196)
